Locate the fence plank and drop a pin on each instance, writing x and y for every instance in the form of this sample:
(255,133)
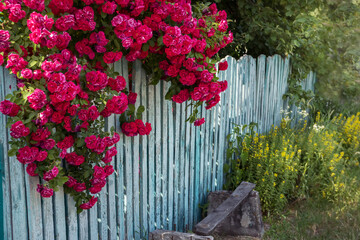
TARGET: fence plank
(17,179)
(144,160)
(164,154)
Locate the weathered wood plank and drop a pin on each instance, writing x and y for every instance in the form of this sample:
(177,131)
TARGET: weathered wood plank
(164,155)
(137,78)
(152,159)
(208,224)
(158,156)
(17,179)
(144,161)
(59,214)
(171,160)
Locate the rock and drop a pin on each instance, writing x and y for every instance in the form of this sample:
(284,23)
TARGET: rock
(235,213)
(172,235)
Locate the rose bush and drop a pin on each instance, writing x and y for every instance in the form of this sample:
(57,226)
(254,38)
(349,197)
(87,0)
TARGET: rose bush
(60,52)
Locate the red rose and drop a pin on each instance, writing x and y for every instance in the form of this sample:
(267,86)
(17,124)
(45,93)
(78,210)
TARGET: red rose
(19,130)
(71,182)
(199,122)
(37,99)
(132,98)
(79,187)
(96,80)
(109,7)
(93,113)
(118,84)
(68,142)
(9,108)
(27,154)
(109,169)
(57,117)
(31,168)
(48,144)
(40,134)
(91,142)
(111,57)
(51,174)
(182,96)
(118,104)
(83,115)
(99,172)
(173,71)
(187,78)
(129,129)
(26,73)
(89,204)
(74,159)
(223,66)
(44,191)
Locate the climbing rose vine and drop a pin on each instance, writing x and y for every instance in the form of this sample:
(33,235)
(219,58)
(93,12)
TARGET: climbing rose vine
(62,53)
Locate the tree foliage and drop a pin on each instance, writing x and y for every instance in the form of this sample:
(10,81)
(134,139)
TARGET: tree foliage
(320,35)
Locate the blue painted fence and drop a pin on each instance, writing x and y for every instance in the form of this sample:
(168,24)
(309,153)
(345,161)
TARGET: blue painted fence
(160,179)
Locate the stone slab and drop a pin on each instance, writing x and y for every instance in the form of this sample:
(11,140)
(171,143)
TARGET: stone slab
(207,225)
(245,218)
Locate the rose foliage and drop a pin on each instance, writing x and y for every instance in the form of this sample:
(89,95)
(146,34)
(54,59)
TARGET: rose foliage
(62,53)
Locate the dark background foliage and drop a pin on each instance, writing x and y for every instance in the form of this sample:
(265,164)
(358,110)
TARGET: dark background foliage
(320,35)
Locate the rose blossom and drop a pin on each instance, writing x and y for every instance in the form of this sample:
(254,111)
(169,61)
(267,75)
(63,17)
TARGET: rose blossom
(89,204)
(9,108)
(37,99)
(199,122)
(30,169)
(74,159)
(44,191)
(19,130)
(223,66)
(51,174)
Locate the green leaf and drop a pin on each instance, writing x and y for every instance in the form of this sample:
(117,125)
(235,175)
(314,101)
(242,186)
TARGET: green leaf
(12,152)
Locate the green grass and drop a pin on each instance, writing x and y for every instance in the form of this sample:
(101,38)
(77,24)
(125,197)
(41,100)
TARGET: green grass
(320,219)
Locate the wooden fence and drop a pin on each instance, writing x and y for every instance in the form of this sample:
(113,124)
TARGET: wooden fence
(160,179)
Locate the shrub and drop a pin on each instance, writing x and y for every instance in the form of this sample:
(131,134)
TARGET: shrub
(289,163)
